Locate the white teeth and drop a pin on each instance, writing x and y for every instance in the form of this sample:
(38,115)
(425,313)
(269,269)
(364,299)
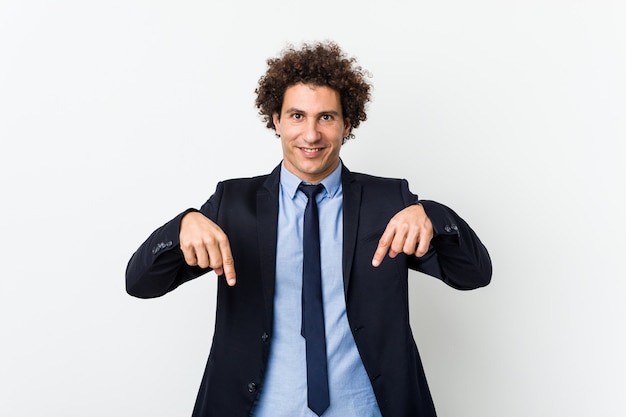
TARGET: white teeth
(311,149)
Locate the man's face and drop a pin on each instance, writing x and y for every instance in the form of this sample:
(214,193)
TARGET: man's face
(311,129)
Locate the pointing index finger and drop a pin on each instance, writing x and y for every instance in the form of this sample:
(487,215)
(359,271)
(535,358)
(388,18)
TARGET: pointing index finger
(383,246)
(228,265)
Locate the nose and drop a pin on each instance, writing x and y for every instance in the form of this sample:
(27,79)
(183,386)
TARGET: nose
(312,131)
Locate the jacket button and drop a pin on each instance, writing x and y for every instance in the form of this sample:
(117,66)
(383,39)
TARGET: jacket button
(447,228)
(252,387)
(265,337)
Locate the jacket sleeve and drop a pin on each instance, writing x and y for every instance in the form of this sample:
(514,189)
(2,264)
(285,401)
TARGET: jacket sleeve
(456,254)
(158,266)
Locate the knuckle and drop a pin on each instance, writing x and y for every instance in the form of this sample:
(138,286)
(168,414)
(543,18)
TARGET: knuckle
(209,240)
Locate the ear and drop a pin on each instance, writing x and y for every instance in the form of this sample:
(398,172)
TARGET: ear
(347,127)
(276,120)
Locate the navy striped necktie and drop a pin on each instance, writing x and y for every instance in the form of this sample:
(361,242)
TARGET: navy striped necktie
(312,306)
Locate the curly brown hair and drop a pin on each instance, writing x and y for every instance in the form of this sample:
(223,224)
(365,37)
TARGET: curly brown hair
(320,64)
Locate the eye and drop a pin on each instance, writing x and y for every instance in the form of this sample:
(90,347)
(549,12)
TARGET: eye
(296,116)
(326,117)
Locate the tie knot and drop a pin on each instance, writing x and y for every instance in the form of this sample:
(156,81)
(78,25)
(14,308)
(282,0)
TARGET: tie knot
(311,190)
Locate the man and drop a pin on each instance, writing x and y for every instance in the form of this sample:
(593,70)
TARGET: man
(371,231)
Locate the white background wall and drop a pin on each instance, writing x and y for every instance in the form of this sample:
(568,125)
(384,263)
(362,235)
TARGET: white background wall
(116,115)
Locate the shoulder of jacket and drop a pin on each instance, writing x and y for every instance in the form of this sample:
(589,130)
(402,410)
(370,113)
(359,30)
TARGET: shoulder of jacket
(359,176)
(245,180)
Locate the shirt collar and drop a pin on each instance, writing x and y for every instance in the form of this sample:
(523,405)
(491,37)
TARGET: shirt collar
(289,182)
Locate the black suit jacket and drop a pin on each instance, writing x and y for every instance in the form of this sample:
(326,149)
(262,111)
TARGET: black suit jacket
(376,298)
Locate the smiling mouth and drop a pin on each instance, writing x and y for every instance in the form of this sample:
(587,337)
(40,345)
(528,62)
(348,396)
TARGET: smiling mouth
(311,149)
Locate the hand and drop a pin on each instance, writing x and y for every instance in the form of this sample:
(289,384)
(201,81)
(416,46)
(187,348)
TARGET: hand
(205,244)
(409,231)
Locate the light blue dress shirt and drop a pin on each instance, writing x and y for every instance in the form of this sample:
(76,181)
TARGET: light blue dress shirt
(284,391)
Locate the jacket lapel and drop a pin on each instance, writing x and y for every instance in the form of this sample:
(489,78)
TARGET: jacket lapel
(351,210)
(267,225)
